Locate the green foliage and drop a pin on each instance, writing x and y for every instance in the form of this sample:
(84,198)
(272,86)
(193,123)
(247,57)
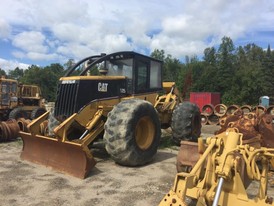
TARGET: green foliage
(241,74)
(16,74)
(268,71)
(47,78)
(69,64)
(172,66)
(158,54)
(167,142)
(2,72)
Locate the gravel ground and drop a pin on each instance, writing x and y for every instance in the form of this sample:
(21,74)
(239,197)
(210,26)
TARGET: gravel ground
(24,183)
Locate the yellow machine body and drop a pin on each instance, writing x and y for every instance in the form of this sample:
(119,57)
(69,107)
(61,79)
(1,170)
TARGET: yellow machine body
(19,100)
(87,106)
(126,105)
(61,153)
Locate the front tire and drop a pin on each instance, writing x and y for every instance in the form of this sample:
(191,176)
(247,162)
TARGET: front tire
(186,122)
(17,113)
(132,132)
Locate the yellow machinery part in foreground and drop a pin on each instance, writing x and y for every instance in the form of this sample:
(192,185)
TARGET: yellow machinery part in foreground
(57,154)
(217,177)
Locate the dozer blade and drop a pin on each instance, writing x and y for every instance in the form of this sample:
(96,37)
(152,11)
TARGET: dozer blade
(66,157)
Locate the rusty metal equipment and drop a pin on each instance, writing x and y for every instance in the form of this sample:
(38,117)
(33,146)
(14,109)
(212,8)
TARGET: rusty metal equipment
(270,110)
(122,105)
(231,109)
(23,124)
(246,108)
(208,109)
(8,130)
(256,129)
(204,119)
(223,173)
(220,110)
(250,125)
(216,113)
(19,100)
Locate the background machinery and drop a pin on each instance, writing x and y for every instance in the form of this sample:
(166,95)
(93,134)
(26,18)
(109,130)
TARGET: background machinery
(126,105)
(19,100)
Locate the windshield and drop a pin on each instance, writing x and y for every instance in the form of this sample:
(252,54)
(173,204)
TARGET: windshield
(119,68)
(8,89)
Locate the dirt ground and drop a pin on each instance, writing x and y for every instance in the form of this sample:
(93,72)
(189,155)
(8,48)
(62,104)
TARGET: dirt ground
(24,183)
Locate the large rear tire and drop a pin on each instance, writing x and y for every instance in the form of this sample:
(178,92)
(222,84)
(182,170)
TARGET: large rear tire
(132,132)
(17,113)
(186,122)
(37,112)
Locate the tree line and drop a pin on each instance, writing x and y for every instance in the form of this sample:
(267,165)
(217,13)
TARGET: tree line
(241,74)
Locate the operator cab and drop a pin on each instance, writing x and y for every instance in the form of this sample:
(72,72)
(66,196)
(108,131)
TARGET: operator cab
(115,75)
(146,75)
(143,73)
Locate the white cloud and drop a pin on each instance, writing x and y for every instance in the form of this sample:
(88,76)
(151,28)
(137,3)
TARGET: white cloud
(30,41)
(4,29)
(19,54)
(67,32)
(41,56)
(113,42)
(11,64)
(177,47)
(203,24)
(74,50)
(55,30)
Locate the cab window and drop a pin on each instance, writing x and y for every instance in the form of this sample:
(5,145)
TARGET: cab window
(142,76)
(155,75)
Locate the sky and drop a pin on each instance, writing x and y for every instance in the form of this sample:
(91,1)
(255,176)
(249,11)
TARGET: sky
(53,31)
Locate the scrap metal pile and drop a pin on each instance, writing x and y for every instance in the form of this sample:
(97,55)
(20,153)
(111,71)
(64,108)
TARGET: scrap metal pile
(213,115)
(219,171)
(9,129)
(256,126)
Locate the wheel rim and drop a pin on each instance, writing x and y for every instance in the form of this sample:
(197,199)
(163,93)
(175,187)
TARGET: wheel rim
(144,132)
